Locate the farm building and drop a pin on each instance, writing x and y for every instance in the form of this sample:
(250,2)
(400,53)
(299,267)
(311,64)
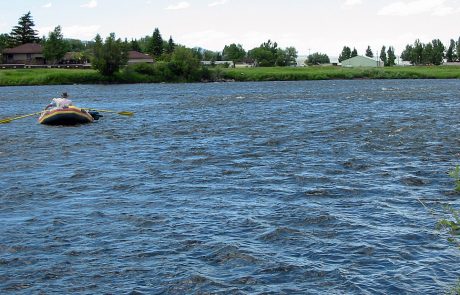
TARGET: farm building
(360,61)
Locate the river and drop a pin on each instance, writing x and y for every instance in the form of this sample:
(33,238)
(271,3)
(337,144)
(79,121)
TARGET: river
(311,187)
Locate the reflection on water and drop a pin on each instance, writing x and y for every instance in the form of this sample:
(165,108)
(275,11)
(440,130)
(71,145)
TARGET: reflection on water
(278,187)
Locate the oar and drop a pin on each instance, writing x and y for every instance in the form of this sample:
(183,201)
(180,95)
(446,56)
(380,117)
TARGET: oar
(123,113)
(8,120)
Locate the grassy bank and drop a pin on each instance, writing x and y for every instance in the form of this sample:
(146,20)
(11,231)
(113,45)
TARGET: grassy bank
(329,73)
(16,77)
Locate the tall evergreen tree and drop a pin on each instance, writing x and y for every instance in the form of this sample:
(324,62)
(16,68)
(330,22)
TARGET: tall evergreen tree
(354,52)
(346,54)
(369,52)
(383,56)
(54,46)
(157,43)
(391,56)
(171,46)
(24,33)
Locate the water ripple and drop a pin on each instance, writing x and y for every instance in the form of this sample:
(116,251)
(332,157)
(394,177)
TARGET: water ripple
(231,188)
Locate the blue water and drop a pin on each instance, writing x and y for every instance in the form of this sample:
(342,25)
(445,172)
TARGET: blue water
(231,188)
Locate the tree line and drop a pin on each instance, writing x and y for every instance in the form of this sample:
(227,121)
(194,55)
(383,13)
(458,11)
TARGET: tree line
(110,55)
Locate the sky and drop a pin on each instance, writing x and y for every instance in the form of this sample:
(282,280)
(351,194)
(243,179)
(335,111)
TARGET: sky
(310,26)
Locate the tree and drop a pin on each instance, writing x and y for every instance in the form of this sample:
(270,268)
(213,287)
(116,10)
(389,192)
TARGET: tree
(354,52)
(76,45)
(317,59)
(171,46)
(4,41)
(346,54)
(291,56)
(109,56)
(24,33)
(458,49)
(406,54)
(391,56)
(450,54)
(134,45)
(383,56)
(265,55)
(437,56)
(156,43)
(54,47)
(417,53)
(234,53)
(369,52)
(209,55)
(184,63)
(427,54)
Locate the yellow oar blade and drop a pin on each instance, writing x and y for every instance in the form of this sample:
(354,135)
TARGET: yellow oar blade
(8,120)
(125,113)
(4,121)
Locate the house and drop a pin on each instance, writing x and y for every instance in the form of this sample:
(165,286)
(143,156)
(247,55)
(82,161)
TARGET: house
(135,57)
(29,53)
(361,61)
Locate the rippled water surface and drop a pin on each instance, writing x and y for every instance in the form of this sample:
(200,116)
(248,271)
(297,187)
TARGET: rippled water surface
(236,188)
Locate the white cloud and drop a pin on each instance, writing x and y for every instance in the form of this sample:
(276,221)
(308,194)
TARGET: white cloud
(43,31)
(47,5)
(81,32)
(433,7)
(218,2)
(180,5)
(352,2)
(208,39)
(74,32)
(90,4)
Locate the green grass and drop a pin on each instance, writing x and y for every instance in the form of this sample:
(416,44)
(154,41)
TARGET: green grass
(49,76)
(16,77)
(329,73)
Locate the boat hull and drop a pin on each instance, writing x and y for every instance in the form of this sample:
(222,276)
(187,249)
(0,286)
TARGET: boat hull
(65,116)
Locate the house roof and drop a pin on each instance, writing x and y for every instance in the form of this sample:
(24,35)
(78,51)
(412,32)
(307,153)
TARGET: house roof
(138,55)
(25,48)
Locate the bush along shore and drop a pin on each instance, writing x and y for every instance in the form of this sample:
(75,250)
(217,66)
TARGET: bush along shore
(165,72)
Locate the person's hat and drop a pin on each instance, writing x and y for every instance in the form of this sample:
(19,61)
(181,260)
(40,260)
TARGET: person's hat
(64,94)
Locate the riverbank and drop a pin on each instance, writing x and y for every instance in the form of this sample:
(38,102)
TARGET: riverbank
(331,73)
(23,77)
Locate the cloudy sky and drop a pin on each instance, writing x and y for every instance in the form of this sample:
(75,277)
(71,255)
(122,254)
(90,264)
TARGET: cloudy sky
(308,25)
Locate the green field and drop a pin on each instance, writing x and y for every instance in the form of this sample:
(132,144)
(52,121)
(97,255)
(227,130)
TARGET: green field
(329,73)
(17,77)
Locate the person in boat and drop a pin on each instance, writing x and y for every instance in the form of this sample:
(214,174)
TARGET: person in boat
(60,102)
